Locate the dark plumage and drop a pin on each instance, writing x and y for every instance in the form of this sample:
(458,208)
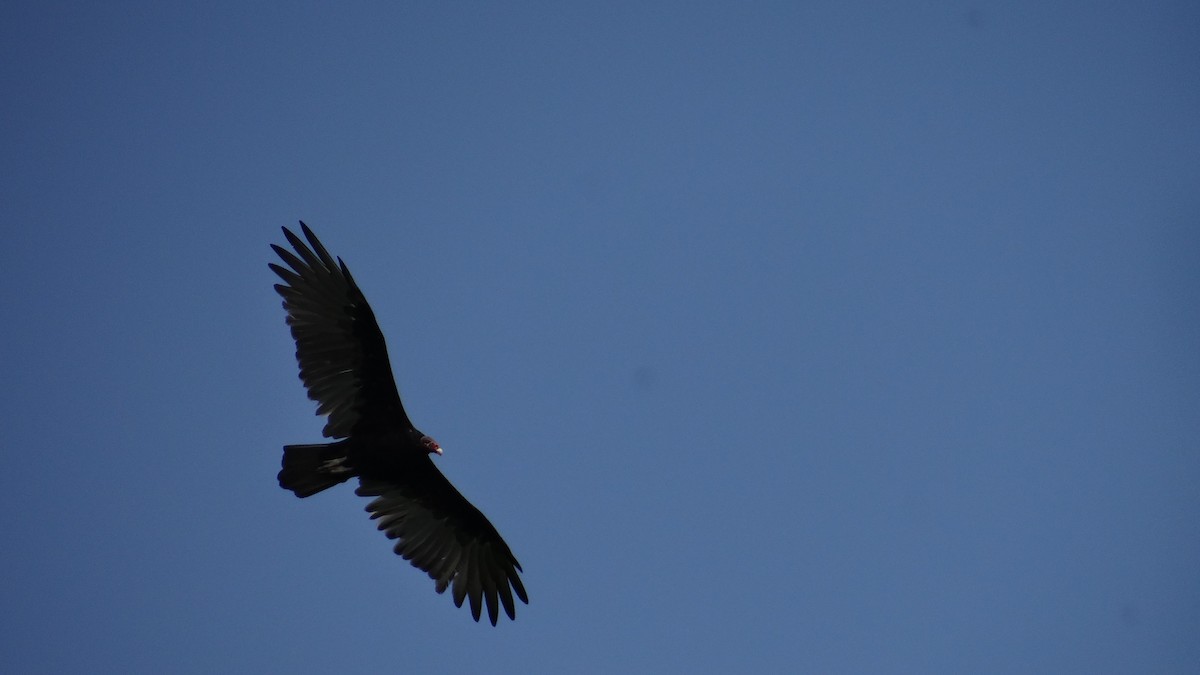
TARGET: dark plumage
(344,366)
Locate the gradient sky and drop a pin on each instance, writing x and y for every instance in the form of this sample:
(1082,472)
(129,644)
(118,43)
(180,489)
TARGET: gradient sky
(774,337)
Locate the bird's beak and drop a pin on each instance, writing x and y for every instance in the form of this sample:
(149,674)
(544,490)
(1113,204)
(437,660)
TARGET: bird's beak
(437,449)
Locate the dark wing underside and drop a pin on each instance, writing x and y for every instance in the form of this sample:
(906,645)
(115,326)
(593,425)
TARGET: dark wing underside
(440,532)
(343,359)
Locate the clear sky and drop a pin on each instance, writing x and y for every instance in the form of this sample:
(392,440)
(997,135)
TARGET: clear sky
(774,337)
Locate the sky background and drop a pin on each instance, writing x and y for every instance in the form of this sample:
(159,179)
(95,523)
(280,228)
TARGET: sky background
(773,337)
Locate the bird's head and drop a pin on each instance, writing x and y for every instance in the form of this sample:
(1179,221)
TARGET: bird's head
(431,446)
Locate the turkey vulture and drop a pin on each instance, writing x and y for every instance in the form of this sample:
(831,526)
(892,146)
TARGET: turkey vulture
(344,366)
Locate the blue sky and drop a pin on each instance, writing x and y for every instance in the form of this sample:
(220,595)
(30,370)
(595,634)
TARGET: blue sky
(784,337)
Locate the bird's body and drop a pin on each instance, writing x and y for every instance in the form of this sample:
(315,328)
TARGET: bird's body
(344,365)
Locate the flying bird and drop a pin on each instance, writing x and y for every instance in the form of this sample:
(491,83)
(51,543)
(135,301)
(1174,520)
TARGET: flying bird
(344,366)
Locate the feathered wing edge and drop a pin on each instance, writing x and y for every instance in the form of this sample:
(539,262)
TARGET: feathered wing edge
(341,351)
(472,561)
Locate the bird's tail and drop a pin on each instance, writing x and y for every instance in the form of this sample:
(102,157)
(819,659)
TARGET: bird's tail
(308,469)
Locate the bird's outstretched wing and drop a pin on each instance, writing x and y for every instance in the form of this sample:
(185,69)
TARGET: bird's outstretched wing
(343,358)
(440,532)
